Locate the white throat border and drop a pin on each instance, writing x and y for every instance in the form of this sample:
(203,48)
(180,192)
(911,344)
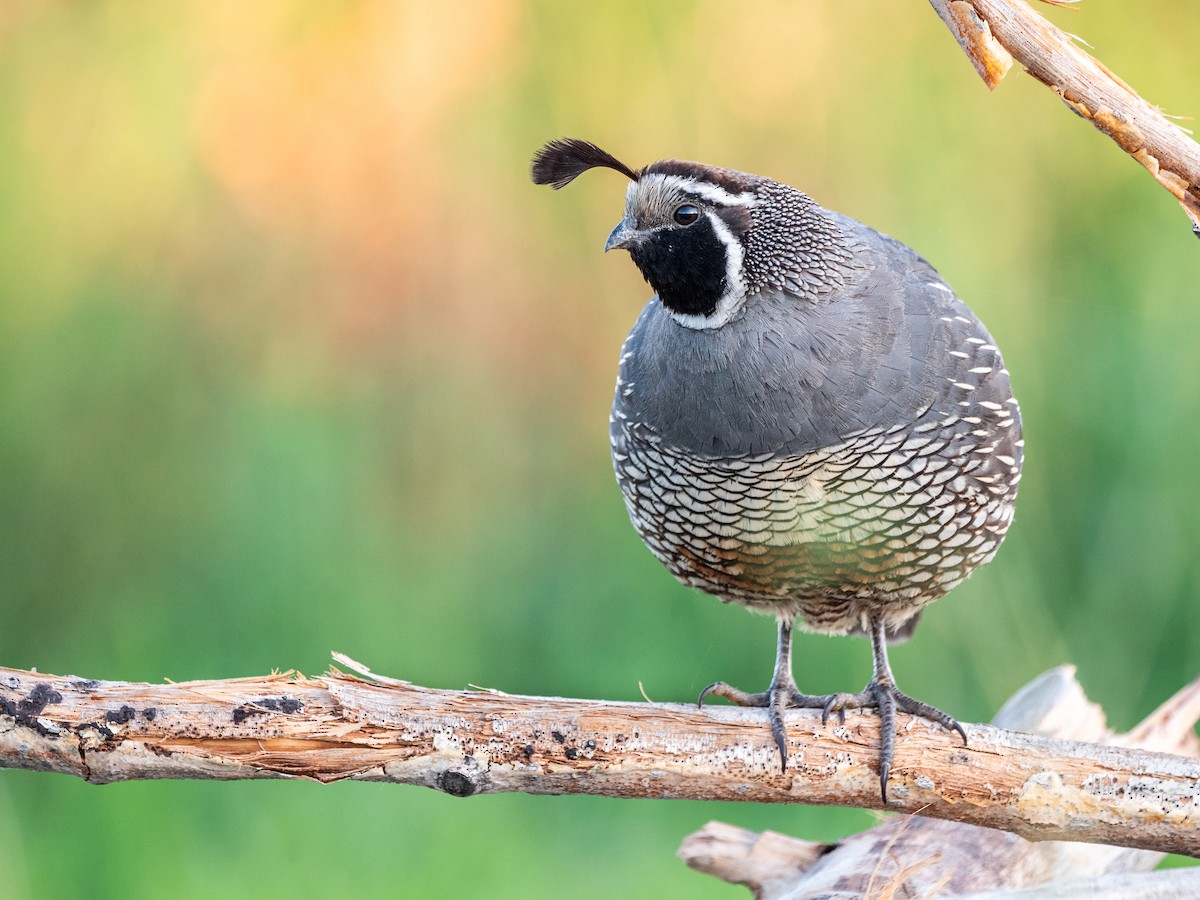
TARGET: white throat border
(734,298)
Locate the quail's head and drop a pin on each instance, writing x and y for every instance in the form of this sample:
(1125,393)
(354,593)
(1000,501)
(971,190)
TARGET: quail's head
(708,238)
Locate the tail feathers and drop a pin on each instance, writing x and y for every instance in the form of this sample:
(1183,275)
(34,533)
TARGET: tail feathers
(895,635)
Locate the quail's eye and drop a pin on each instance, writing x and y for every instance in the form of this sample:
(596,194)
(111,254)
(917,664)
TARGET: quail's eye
(687,214)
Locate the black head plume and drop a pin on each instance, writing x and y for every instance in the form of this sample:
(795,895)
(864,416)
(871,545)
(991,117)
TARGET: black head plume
(560,162)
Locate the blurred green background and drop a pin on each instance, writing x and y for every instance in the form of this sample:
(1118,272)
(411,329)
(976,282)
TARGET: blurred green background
(294,358)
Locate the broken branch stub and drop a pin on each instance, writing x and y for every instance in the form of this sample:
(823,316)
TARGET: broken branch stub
(993,33)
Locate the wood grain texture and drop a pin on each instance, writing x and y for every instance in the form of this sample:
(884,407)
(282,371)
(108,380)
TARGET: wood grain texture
(994,32)
(340,727)
(915,856)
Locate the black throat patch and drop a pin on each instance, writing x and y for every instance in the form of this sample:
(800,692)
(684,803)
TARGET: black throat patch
(685,266)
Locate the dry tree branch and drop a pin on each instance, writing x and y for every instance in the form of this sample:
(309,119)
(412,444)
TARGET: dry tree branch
(344,727)
(993,33)
(914,856)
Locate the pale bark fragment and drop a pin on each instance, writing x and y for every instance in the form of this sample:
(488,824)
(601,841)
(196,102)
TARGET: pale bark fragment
(1170,884)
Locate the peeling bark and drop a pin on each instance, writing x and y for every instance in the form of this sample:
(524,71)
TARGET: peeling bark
(993,33)
(344,727)
(913,856)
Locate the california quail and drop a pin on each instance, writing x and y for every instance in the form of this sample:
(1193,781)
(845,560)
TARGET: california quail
(807,420)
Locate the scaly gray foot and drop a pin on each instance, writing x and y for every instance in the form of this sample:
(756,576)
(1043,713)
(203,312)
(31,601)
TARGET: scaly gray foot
(887,698)
(775,700)
(884,696)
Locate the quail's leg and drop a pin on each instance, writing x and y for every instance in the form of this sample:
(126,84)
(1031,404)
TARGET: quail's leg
(781,695)
(882,693)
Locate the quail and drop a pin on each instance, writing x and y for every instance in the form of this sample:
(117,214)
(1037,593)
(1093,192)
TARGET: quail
(807,422)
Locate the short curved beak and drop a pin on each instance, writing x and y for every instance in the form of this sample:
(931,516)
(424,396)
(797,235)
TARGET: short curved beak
(622,238)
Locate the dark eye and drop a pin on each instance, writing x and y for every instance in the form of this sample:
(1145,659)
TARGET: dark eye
(687,214)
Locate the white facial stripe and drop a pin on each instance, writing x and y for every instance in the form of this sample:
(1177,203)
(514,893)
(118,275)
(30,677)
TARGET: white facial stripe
(735,286)
(709,192)
(734,283)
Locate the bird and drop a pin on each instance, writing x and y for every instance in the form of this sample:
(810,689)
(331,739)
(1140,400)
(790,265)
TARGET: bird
(807,421)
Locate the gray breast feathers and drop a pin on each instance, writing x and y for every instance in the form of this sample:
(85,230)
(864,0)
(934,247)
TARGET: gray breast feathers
(793,375)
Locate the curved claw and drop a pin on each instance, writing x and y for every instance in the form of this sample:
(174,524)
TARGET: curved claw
(776,699)
(733,695)
(888,699)
(777,728)
(925,711)
(834,702)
